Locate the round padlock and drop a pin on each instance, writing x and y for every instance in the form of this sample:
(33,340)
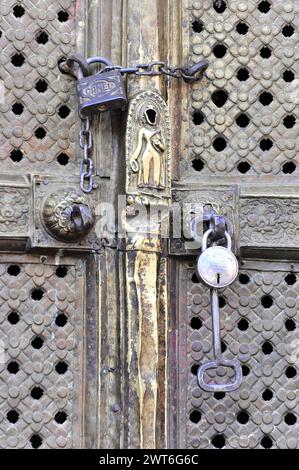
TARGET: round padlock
(217,266)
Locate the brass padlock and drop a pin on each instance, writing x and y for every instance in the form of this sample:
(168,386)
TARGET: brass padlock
(102,91)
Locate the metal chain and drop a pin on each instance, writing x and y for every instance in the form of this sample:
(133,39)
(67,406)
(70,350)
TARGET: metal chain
(161,68)
(86,164)
(188,73)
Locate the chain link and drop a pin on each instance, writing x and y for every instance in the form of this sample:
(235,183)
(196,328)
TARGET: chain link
(158,67)
(86,164)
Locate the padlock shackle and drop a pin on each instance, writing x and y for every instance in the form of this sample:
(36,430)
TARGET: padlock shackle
(82,70)
(205,237)
(67,66)
(100,60)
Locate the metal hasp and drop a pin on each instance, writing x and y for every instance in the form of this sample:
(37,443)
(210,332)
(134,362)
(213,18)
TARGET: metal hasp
(219,359)
(217,267)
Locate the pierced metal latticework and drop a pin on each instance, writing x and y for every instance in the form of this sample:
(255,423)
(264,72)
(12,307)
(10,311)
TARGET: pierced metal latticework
(245,114)
(41,346)
(243,132)
(36,104)
(259,322)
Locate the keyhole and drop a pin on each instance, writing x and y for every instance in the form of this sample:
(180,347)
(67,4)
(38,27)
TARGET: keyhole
(218,276)
(151,116)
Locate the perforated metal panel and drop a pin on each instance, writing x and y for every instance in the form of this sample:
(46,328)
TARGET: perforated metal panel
(41,352)
(243,132)
(36,104)
(259,326)
(245,113)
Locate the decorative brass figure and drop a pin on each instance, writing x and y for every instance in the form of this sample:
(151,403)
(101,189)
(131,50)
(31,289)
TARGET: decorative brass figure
(148,145)
(147,158)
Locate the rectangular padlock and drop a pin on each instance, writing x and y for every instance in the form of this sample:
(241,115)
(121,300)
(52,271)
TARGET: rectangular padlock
(101,92)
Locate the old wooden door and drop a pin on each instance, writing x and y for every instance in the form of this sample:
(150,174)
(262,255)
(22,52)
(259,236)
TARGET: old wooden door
(49,325)
(101,338)
(239,155)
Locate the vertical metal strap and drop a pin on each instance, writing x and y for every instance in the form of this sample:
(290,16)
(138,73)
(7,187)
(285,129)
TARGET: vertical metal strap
(216,323)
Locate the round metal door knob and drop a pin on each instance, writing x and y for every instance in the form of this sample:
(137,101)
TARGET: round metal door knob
(67,215)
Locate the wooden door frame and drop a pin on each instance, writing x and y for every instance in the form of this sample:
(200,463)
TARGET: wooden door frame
(128,32)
